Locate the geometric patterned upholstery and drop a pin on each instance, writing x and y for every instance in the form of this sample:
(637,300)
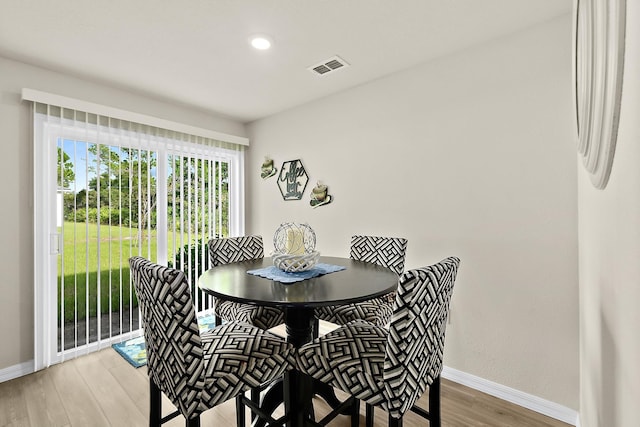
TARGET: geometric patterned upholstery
(238,249)
(390,368)
(199,370)
(387,252)
(383,251)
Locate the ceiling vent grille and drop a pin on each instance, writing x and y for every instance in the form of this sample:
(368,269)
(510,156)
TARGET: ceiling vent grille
(327,66)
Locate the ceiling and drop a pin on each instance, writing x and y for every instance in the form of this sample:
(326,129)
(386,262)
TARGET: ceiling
(197,52)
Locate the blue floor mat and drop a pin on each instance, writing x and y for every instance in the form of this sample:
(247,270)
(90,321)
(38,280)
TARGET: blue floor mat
(134,351)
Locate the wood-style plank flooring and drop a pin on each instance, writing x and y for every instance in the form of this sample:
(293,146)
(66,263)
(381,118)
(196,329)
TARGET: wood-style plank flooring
(102,389)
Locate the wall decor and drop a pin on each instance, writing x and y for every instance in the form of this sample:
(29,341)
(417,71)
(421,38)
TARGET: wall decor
(598,62)
(292,180)
(268,170)
(319,196)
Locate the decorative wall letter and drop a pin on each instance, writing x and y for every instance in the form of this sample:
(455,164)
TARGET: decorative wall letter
(292,180)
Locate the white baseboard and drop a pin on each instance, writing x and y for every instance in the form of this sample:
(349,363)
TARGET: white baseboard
(16,371)
(534,403)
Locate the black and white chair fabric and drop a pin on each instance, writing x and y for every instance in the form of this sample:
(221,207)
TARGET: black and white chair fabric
(237,249)
(387,252)
(198,371)
(391,368)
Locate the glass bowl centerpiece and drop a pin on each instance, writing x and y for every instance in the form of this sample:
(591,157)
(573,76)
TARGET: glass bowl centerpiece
(295,247)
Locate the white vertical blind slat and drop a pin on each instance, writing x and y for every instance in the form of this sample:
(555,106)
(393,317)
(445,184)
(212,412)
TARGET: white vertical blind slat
(99,242)
(75,260)
(86,245)
(196,215)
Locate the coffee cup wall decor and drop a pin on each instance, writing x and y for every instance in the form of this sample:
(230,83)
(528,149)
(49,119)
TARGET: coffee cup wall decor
(267,168)
(319,196)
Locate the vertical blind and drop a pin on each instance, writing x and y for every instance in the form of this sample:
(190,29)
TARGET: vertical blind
(107,189)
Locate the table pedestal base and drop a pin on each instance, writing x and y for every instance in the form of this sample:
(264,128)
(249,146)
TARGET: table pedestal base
(296,390)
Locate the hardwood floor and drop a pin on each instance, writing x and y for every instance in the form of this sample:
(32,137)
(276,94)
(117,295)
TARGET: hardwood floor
(102,389)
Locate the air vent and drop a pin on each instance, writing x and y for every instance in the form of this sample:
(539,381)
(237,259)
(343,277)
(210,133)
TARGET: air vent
(329,65)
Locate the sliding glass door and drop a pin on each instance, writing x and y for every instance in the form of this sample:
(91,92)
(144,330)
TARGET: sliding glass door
(108,190)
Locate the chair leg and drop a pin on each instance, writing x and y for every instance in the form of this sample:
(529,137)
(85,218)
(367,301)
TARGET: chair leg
(193,422)
(434,403)
(255,398)
(355,413)
(240,412)
(316,328)
(369,415)
(155,404)
(395,422)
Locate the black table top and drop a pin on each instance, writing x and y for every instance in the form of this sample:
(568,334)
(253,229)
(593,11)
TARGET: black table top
(359,282)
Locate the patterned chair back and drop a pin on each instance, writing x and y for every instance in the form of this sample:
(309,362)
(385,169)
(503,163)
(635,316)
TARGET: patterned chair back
(235,249)
(415,344)
(174,348)
(386,252)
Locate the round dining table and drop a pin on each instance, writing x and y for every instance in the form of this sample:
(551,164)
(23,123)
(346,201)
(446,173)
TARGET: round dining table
(357,282)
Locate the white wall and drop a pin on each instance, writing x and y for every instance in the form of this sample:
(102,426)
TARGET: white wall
(609,235)
(16,208)
(471,155)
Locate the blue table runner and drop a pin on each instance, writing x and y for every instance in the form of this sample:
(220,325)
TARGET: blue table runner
(278,275)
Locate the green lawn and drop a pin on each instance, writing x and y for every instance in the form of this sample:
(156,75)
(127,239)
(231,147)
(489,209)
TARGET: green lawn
(98,258)
(99,255)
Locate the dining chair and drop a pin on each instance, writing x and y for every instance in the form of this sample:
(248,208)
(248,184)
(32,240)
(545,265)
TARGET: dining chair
(237,249)
(199,370)
(387,252)
(391,368)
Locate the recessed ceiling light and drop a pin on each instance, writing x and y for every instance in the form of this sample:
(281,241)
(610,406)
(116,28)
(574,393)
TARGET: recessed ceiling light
(260,42)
